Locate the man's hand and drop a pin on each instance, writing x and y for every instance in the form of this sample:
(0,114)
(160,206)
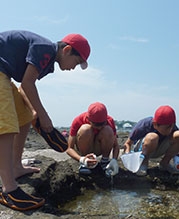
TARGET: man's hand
(46,123)
(126,149)
(89,161)
(113,166)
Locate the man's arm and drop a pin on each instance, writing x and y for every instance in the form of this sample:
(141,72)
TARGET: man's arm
(127,145)
(70,151)
(27,102)
(115,148)
(28,85)
(88,159)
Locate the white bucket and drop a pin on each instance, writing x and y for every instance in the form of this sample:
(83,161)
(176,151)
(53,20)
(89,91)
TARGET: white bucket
(132,161)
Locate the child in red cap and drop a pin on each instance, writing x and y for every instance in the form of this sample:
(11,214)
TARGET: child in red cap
(93,133)
(65,133)
(156,136)
(26,57)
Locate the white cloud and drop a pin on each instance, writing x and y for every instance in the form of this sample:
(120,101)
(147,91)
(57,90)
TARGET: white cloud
(134,105)
(134,39)
(113,46)
(49,20)
(66,94)
(89,79)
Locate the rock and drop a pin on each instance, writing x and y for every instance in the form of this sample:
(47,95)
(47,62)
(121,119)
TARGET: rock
(59,182)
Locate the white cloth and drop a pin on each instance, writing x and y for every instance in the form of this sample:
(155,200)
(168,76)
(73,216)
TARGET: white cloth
(84,161)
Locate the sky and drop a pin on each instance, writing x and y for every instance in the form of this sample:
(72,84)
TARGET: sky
(133,67)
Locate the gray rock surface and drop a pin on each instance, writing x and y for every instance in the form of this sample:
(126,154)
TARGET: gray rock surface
(59,182)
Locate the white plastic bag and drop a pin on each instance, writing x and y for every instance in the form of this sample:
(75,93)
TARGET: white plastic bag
(132,161)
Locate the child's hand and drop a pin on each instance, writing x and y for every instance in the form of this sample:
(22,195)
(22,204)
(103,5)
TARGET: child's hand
(113,166)
(126,149)
(89,161)
(34,113)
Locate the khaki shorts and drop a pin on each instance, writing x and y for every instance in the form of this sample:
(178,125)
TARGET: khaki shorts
(161,148)
(14,113)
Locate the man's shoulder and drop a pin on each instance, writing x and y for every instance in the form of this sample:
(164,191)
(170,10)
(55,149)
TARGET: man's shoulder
(143,127)
(82,115)
(28,37)
(145,123)
(33,36)
(110,118)
(147,120)
(80,118)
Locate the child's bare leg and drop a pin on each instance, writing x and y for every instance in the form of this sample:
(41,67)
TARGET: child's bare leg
(149,146)
(85,139)
(105,140)
(6,163)
(18,146)
(172,151)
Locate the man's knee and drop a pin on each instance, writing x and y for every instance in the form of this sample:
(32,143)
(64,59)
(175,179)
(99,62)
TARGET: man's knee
(107,132)
(176,136)
(150,143)
(106,138)
(85,132)
(175,142)
(151,139)
(85,129)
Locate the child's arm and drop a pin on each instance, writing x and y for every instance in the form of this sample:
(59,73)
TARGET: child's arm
(28,85)
(127,145)
(113,167)
(27,102)
(70,151)
(115,149)
(91,161)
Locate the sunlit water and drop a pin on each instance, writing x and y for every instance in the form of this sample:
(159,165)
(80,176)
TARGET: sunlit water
(139,203)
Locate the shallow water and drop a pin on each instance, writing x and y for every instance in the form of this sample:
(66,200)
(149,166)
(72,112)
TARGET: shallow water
(123,203)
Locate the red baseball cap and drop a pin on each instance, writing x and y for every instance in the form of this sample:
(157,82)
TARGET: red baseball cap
(164,115)
(80,44)
(97,112)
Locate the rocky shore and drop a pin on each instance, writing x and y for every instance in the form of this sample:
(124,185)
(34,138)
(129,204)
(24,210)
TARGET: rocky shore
(59,182)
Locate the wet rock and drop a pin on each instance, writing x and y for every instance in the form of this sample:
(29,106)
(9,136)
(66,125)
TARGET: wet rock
(59,183)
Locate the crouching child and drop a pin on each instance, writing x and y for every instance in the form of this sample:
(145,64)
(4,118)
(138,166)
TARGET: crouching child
(156,136)
(92,134)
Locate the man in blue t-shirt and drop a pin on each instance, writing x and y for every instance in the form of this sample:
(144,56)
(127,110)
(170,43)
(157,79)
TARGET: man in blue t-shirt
(156,137)
(26,57)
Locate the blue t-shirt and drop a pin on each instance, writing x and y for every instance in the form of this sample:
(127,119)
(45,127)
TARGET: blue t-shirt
(19,48)
(144,127)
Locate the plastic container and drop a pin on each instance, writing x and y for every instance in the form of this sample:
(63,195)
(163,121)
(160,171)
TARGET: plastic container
(176,162)
(132,161)
(141,158)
